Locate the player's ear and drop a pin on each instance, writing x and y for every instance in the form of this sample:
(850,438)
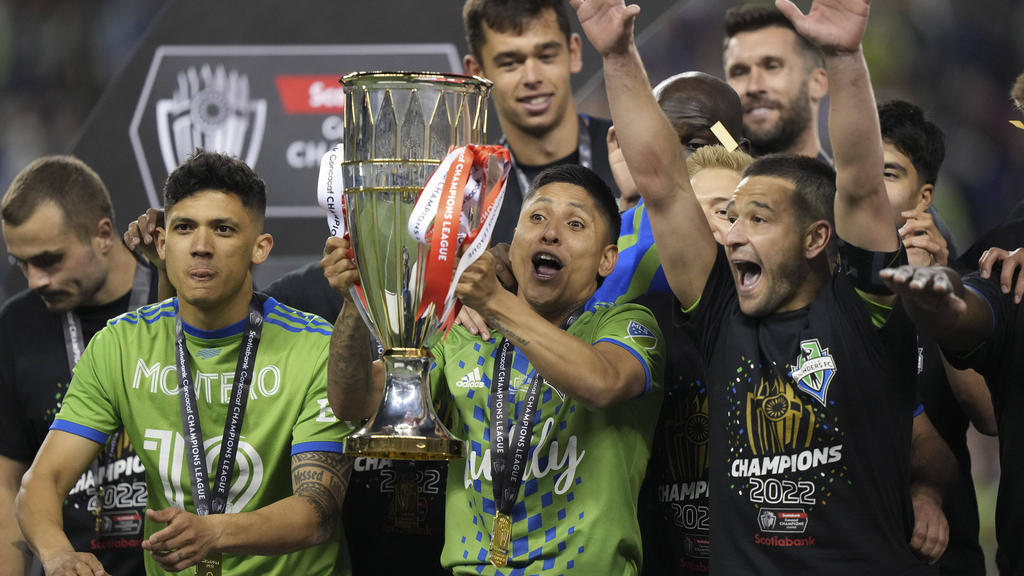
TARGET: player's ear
(817,238)
(261,249)
(471,66)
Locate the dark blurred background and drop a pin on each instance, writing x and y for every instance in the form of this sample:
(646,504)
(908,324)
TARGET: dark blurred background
(956,59)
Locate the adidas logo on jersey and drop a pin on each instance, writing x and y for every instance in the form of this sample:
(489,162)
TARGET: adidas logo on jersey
(472,380)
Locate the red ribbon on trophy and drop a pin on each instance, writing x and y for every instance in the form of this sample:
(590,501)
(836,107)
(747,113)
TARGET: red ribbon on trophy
(457,208)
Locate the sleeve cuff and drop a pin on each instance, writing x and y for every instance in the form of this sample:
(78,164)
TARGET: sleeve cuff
(643,361)
(79,430)
(322,446)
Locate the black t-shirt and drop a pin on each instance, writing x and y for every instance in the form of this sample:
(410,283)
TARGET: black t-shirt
(597,131)
(811,416)
(1001,361)
(385,534)
(963,555)
(674,512)
(34,376)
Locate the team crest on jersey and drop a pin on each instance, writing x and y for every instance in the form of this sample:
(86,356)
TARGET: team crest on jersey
(641,335)
(814,369)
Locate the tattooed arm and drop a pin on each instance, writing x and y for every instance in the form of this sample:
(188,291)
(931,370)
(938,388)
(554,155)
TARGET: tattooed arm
(304,519)
(354,382)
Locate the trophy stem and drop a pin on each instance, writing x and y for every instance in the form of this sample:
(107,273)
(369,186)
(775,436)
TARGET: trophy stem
(405,426)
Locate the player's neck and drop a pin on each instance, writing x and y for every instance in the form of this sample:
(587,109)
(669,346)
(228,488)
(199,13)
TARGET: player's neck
(120,275)
(218,315)
(534,149)
(807,143)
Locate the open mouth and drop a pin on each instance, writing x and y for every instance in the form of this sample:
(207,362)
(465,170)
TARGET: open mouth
(546,266)
(536,104)
(747,274)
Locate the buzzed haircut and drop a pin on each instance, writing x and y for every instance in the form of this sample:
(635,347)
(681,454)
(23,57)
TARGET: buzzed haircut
(1017,93)
(587,179)
(507,16)
(751,17)
(212,171)
(905,127)
(814,184)
(716,156)
(67,182)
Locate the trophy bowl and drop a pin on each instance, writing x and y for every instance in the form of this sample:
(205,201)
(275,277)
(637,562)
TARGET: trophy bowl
(399,126)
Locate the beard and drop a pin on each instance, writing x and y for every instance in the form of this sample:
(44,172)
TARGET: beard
(793,120)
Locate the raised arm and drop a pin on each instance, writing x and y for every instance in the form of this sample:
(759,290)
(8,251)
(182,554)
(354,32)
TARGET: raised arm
(306,518)
(862,212)
(59,463)
(596,375)
(354,382)
(651,149)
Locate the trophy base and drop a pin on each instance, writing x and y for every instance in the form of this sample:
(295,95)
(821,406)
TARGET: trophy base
(404,447)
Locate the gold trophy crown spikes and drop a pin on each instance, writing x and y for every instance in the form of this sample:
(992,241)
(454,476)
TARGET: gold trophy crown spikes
(399,126)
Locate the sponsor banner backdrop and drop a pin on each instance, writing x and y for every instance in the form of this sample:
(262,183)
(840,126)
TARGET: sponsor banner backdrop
(278,108)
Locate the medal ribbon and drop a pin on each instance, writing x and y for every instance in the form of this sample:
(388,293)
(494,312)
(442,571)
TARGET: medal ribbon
(191,428)
(509,450)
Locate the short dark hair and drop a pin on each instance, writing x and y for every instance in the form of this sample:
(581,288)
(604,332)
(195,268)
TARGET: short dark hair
(751,17)
(507,16)
(588,180)
(212,171)
(67,182)
(905,127)
(814,183)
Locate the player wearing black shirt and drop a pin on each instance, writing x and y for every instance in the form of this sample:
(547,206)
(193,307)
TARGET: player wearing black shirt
(810,369)
(978,326)
(58,227)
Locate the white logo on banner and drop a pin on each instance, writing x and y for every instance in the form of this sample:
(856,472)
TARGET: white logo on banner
(210,109)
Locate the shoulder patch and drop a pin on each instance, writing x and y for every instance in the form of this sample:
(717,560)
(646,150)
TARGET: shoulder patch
(641,335)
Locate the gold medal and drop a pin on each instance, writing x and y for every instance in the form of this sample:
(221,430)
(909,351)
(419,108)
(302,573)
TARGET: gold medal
(500,538)
(209,566)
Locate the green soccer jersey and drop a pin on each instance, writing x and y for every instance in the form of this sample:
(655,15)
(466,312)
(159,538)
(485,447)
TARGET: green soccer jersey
(576,511)
(128,376)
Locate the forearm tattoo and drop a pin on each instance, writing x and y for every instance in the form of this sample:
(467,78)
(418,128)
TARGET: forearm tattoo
(515,338)
(321,478)
(349,372)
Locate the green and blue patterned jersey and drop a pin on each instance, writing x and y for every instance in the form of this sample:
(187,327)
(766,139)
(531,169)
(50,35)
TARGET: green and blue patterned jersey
(127,376)
(576,512)
(638,270)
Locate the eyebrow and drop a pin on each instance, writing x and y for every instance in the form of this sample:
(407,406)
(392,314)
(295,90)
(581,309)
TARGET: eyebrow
(894,166)
(516,53)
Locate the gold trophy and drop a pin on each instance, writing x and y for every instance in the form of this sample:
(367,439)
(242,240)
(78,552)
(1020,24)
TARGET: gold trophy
(398,128)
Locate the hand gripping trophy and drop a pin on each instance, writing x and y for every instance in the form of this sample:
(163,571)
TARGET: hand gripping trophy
(418,195)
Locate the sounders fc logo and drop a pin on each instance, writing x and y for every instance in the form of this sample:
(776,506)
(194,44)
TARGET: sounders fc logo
(814,369)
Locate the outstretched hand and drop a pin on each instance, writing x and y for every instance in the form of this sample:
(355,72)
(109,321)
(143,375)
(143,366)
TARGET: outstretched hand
(608,24)
(834,26)
(933,296)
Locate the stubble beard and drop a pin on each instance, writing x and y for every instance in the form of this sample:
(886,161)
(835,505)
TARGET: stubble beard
(793,121)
